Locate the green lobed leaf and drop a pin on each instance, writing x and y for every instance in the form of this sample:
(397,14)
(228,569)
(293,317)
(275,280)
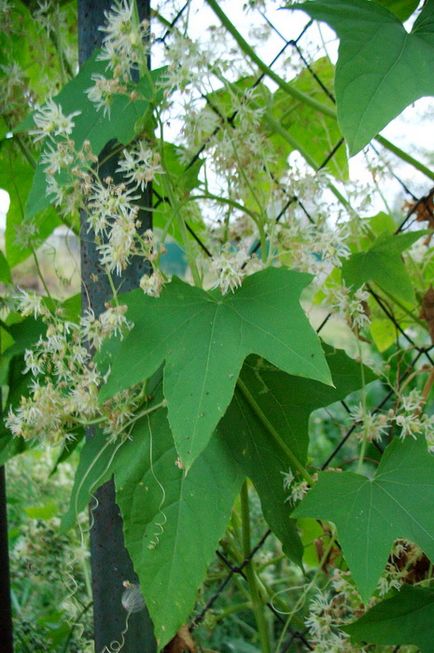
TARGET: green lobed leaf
(5,273)
(16,178)
(316,133)
(401,8)
(382,263)
(24,334)
(92,125)
(381,67)
(172,521)
(407,618)
(203,339)
(286,402)
(384,333)
(398,502)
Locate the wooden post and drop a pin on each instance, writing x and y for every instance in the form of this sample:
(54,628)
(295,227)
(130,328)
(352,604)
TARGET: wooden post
(110,562)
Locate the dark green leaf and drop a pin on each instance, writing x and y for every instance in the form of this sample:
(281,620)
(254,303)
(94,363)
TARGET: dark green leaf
(370,514)
(203,339)
(405,619)
(381,68)
(401,8)
(286,402)
(382,263)
(172,522)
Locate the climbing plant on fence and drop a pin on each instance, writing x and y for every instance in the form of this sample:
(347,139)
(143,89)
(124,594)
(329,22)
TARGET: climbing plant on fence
(276,353)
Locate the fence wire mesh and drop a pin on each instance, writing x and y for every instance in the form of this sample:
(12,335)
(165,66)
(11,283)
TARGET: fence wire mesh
(295,638)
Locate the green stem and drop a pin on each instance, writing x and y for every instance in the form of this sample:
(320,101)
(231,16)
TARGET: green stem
(295,463)
(364,446)
(277,127)
(258,607)
(407,311)
(39,273)
(303,97)
(232,609)
(224,200)
(177,210)
(404,156)
(249,51)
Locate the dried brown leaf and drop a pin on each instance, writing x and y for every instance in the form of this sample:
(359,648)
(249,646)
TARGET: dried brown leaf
(181,643)
(427,311)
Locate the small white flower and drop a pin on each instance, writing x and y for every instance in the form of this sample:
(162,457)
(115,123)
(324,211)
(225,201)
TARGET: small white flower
(51,121)
(151,284)
(140,165)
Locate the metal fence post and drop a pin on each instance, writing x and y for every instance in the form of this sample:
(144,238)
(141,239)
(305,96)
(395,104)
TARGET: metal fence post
(6,637)
(111,564)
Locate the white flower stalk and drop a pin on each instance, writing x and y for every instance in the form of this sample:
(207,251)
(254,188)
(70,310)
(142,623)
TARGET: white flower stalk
(115,254)
(351,306)
(112,322)
(58,158)
(51,121)
(106,203)
(228,268)
(30,303)
(103,91)
(124,43)
(140,165)
(152,284)
(372,427)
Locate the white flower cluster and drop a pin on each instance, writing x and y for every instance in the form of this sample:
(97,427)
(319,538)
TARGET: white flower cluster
(124,44)
(124,49)
(352,306)
(50,121)
(64,389)
(229,266)
(326,613)
(372,426)
(140,165)
(407,416)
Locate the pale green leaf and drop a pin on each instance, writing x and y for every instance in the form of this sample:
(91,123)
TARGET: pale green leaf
(16,178)
(370,514)
(316,133)
(381,67)
(203,339)
(286,402)
(384,333)
(405,619)
(382,263)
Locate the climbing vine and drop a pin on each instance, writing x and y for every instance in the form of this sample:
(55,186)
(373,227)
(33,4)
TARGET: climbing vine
(272,288)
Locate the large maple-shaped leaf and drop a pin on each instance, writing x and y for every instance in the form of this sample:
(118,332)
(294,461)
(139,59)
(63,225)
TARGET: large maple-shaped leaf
(203,339)
(381,67)
(371,513)
(405,619)
(259,439)
(382,263)
(172,522)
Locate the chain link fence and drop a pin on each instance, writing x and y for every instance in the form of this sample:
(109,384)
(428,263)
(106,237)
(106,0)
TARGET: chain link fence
(295,637)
